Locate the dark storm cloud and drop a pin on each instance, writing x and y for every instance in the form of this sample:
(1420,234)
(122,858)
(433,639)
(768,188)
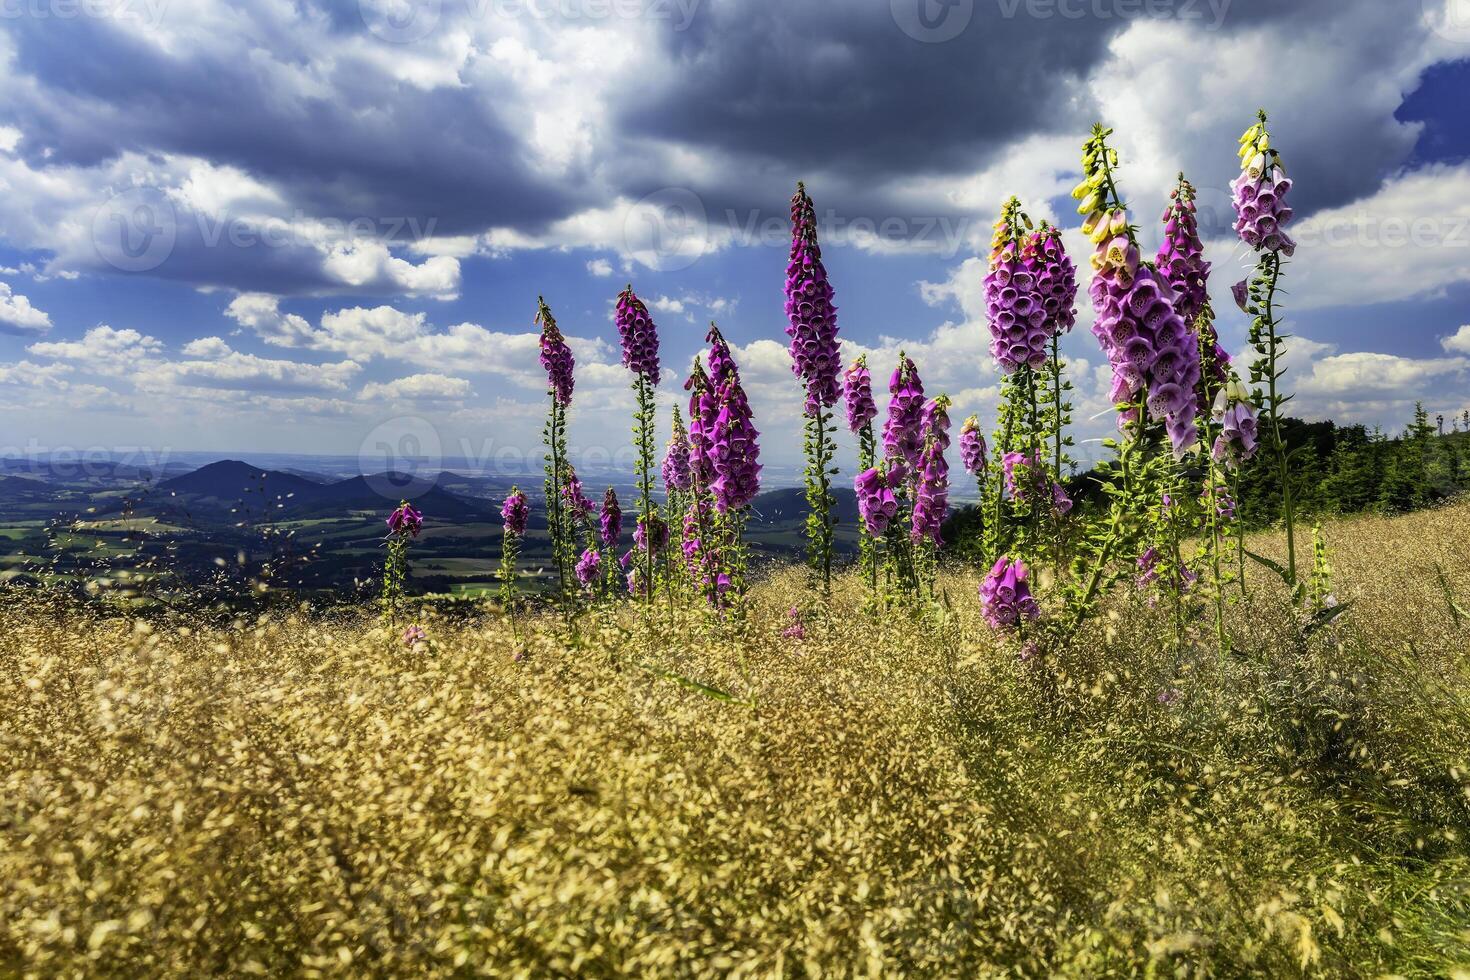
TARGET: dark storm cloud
(370,146)
(765,90)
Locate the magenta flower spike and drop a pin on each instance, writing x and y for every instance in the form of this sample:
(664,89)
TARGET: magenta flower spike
(1259,195)
(1005,595)
(1181,261)
(972,447)
(857,391)
(811,315)
(876,502)
(703,407)
(1149,346)
(577,503)
(556,357)
(734,449)
(903,437)
(588,567)
(1056,278)
(515,512)
(405,521)
(1015,306)
(931,489)
(638,335)
(676,466)
(611,519)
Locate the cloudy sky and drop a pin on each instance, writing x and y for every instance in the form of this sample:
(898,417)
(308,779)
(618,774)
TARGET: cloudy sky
(322,225)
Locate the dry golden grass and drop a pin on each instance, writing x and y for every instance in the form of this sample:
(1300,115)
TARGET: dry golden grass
(302,795)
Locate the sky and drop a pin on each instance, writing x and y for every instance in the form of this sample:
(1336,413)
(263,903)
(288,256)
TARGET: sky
(321,226)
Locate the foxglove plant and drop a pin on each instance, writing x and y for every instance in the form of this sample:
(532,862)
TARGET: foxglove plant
(404,525)
(931,484)
(589,566)
(678,483)
(1005,596)
(1056,277)
(816,359)
(1029,291)
(556,358)
(734,449)
(1259,198)
(640,355)
(610,524)
(857,393)
(514,514)
(1153,355)
(903,448)
(1236,417)
(876,502)
(903,435)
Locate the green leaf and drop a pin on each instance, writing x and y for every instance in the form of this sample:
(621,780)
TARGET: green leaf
(1456,613)
(1325,617)
(693,685)
(1278,569)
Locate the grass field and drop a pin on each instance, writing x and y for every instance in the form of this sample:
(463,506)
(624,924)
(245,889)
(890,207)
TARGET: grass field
(304,795)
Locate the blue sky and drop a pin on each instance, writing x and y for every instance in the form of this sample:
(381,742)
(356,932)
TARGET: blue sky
(315,226)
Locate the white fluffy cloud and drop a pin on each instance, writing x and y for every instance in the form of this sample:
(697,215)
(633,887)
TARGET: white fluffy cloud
(17,315)
(418,387)
(102,350)
(1459,341)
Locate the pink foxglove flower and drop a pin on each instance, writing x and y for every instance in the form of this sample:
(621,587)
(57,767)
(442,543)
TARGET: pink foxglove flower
(1005,595)
(638,335)
(903,437)
(611,519)
(1259,195)
(931,489)
(876,502)
(556,357)
(677,476)
(405,521)
(578,506)
(515,512)
(1056,278)
(857,390)
(588,567)
(1149,346)
(812,317)
(972,447)
(733,447)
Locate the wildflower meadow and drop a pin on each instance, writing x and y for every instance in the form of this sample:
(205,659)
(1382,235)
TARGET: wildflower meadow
(1096,730)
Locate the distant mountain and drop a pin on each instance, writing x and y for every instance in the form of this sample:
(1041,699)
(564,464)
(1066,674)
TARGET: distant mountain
(788,505)
(231,479)
(382,492)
